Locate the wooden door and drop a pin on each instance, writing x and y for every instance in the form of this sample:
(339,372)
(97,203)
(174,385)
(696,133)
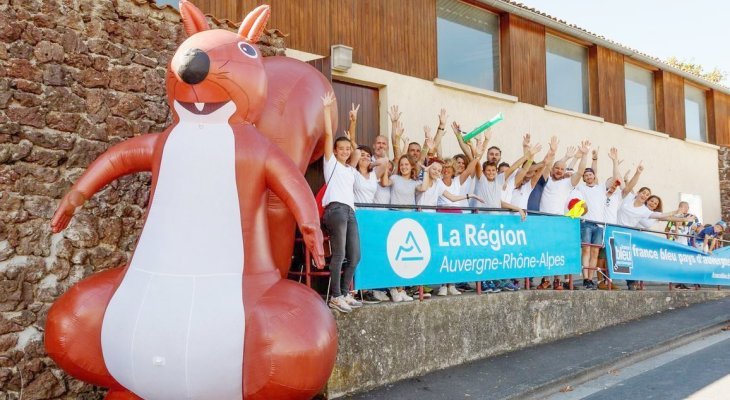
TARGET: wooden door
(368,118)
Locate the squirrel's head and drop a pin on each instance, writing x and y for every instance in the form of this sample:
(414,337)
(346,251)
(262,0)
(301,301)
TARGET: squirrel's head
(214,67)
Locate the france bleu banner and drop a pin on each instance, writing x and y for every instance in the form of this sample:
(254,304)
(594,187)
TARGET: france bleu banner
(641,256)
(404,248)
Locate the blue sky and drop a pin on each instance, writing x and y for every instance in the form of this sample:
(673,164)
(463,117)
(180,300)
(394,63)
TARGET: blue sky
(696,31)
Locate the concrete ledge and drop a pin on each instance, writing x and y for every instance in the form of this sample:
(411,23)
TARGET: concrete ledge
(389,342)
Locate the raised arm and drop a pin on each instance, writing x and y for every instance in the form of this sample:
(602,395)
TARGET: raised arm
(526,143)
(394,134)
(426,183)
(634,180)
(430,143)
(329,140)
(285,180)
(355,155)
(552,151)
(460,140)
(530,154)
(440,131)
(131,155)
(397,136)
(613,155)
(594,162)
(474,163)
(543,165)
(352,127)
(585,147)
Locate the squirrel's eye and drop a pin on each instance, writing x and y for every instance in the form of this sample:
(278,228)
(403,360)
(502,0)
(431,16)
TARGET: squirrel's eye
(247,49)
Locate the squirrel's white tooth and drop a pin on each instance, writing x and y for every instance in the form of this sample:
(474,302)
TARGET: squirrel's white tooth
(199,106)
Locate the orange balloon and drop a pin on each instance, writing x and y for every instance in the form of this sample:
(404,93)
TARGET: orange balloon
(201,311)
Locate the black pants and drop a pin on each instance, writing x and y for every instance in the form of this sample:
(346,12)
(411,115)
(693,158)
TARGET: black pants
(339,220)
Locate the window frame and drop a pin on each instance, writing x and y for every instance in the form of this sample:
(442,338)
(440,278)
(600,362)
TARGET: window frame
(498,48)
(653,70)
(586,46)
(705,91)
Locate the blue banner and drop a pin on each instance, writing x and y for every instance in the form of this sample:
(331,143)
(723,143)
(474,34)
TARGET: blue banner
(642,256)
(403,248)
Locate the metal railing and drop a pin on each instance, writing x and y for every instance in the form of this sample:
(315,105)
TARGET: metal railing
(307,273)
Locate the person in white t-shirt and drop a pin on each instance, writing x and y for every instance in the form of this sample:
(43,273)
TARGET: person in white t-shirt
(615,192)
(431,189)
(597,200)
(558,186)
(527,178)
(456,181)
(557,189)
(489,188)
(366,180)
(403,192)
(339,211)
(633,210)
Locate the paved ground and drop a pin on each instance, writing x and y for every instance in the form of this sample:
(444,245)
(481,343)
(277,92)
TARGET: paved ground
(522,373)
(699,370)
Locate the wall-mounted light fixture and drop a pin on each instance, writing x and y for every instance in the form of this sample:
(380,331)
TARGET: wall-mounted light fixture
(341,57)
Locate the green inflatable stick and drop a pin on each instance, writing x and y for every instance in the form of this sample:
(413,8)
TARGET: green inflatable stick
(469,136)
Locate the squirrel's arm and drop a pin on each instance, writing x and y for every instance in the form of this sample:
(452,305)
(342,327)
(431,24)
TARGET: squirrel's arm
(285,180)
(132,155)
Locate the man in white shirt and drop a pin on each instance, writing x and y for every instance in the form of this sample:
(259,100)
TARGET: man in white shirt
(558,187)
(597,200)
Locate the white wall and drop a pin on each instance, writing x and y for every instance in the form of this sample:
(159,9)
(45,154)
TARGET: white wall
(671,165)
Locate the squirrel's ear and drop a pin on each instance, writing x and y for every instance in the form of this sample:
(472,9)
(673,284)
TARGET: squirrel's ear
(193,19)
(253,25)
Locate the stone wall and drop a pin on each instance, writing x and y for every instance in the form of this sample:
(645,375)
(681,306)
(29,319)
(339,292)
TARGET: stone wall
(76,76)
(388,342)
(724,166)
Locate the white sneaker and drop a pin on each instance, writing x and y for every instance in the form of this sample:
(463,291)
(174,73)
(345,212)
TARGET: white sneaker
(453,291)
(395,295)
(404,296)
(443,291)
(352,302)
(380,295)
(339,304)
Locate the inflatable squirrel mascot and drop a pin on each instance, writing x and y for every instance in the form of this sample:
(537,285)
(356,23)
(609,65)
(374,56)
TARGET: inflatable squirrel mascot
(201,311)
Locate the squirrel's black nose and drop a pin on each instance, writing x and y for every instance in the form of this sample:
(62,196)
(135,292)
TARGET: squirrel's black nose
(194,66)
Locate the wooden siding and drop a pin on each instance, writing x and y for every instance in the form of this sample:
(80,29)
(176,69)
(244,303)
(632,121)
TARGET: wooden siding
(395,36)
(221,9)
(523,58)
(669,92)
(607,87)
(718,118)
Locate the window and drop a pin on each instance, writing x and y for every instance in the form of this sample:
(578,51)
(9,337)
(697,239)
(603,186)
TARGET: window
(468,44)
(639,97)
(567,74)
(695,113)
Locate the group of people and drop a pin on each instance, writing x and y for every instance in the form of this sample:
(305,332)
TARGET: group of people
(419,176)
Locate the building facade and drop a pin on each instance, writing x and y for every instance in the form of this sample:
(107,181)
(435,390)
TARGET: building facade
(480,57)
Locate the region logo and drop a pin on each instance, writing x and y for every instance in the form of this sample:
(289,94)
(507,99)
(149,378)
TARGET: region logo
(623,259)
(409,251)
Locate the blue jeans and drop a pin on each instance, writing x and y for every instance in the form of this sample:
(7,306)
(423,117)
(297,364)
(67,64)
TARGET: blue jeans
(590,233)
(339,221)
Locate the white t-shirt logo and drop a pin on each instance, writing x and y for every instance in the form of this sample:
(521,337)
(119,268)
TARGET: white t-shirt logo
(408,248)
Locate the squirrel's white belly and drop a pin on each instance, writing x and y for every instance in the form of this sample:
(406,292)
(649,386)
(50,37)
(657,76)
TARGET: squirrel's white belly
(174,329)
